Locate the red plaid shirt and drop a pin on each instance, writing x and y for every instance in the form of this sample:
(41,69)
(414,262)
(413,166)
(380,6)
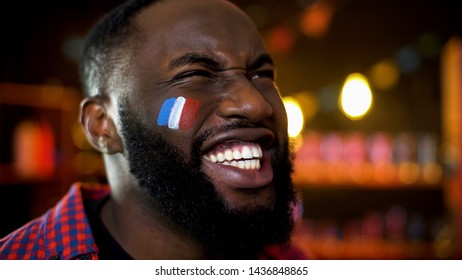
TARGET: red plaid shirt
(64,232)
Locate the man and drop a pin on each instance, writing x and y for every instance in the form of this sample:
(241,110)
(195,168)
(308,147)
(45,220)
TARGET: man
(181,102)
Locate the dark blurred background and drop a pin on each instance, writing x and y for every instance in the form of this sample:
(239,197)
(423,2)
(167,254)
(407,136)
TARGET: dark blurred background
(385,186)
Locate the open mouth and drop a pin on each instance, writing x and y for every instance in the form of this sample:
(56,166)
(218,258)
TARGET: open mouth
(239,158)
(243,155)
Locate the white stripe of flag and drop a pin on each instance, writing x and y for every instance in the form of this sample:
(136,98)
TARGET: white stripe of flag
(175,114)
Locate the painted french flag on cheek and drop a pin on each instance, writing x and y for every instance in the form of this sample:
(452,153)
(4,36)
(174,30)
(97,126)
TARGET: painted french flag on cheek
(178,113)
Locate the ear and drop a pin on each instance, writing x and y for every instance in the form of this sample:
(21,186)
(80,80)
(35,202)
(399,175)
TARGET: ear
(99,126)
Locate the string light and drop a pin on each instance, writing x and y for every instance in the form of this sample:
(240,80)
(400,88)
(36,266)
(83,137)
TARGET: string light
(356,96)
(294,116)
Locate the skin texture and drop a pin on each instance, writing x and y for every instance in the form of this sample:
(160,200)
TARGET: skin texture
(206,50)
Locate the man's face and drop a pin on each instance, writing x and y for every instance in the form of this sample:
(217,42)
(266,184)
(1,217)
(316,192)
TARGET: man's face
(211,53)
(234,140)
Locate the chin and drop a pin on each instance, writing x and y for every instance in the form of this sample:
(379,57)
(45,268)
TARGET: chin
(248,200)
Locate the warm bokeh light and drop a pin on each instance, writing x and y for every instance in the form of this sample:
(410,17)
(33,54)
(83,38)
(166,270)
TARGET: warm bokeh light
(315,20)
(408,172)
(355,148)
(297,142)
(308,102)
(356,96)
(384,75)
(432,173)
(281,39)
(294,116)
(33,150)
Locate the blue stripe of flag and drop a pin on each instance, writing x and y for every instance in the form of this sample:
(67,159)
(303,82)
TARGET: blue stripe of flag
(165,111)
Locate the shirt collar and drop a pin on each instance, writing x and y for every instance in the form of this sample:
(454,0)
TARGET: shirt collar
(67,230)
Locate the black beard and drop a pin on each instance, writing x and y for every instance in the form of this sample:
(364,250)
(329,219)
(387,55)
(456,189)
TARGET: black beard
(188,198)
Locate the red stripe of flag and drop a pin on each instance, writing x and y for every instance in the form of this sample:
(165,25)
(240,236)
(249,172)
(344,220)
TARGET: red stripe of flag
(189,113)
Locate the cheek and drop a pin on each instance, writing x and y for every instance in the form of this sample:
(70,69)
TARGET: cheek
(178,113)
(280,118)
(279,110)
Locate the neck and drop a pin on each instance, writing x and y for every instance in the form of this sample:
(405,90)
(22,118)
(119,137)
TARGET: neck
(132,218)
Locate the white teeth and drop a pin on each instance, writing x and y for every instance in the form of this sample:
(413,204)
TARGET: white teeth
(237,155)
(255,152)
(220,157)
(246,153)
(229,155)
(248,157)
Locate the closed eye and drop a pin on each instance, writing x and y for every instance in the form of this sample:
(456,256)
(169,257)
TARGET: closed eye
(192,73)
(263,74)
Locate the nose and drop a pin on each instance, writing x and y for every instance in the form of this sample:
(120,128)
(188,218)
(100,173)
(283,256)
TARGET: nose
(244,101)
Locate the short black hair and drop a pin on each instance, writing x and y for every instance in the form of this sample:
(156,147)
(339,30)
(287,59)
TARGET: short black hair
(111,33)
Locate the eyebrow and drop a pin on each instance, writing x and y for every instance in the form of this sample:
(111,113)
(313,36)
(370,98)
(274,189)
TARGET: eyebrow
(193,58)
(196,58)
(260,61)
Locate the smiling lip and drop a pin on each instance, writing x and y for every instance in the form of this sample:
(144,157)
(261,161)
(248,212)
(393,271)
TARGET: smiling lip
(263,136)
(239,158)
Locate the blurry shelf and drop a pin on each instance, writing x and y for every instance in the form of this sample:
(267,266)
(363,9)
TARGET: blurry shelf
(8,176)
(386,176)
(361,247)
(335,249)
(43,96)
(368,186)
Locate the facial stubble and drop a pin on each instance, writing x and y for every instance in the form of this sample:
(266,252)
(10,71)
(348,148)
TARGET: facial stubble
(188,199)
